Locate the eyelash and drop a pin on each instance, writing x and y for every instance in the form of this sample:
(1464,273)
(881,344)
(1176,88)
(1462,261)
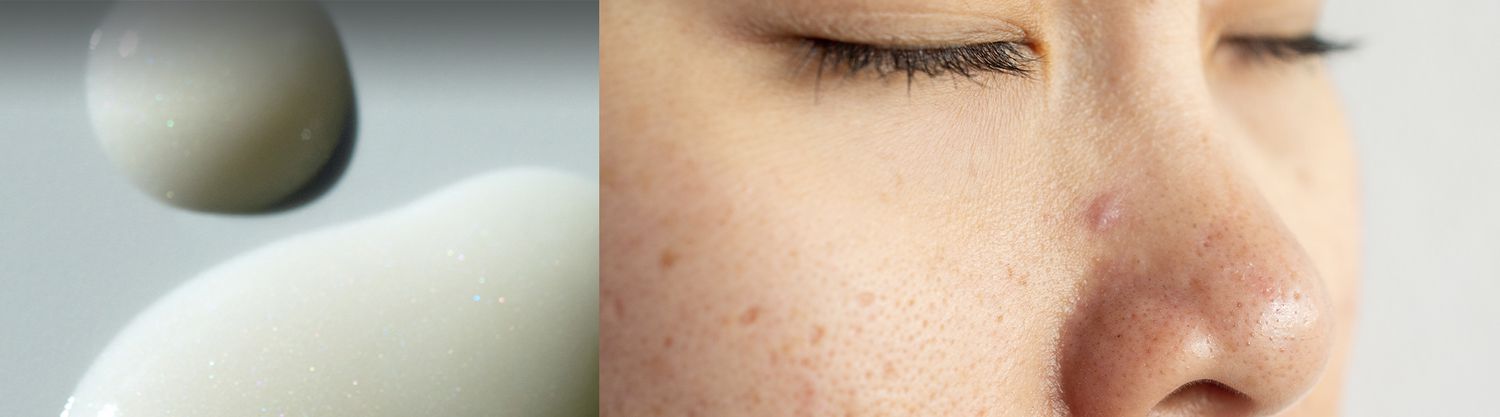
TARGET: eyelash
(967,60)
(1286,49)
(1012,58)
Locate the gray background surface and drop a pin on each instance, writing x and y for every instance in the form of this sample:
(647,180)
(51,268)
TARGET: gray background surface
(456,89)
(1423,94)
(445,91)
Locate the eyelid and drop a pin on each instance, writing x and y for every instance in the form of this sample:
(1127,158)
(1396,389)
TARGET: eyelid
(914,31)
(1010,58)
(903,29)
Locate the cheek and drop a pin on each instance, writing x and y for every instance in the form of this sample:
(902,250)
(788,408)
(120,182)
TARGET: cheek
(765,296)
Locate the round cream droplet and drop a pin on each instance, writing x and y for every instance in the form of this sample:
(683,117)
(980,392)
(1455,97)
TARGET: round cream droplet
(283,330)
(214,99)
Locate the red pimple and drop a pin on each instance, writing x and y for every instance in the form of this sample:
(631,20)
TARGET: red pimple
(1104,212)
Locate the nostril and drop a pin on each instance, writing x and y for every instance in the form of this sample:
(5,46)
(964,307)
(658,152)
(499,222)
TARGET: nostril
(1203,398)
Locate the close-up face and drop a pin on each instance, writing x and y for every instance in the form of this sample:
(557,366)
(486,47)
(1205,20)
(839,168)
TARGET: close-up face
(972,208)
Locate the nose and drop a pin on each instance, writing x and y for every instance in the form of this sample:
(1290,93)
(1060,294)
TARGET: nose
(1197,302)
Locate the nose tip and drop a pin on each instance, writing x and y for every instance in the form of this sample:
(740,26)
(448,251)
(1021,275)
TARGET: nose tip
(1223,316)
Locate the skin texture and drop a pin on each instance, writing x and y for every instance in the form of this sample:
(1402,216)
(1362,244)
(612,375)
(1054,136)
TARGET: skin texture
(1151,223)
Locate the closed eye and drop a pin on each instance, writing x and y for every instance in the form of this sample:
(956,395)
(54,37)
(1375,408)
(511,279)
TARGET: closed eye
(1284,49)
(849,59)
(1013,58)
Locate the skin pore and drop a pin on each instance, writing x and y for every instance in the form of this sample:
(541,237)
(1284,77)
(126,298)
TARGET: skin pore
(1158,217)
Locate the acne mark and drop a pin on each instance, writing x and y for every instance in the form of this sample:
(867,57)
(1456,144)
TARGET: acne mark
(866,298)
(667,342)
(1104,212)
(617,306)
(817,335)
(668,258)
(750,315)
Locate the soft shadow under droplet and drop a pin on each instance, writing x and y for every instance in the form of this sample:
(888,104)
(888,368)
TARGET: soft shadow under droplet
(332,171)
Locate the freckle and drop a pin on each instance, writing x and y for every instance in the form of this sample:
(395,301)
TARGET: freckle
(866,298)
(750,316)
(806,396)
(668,258)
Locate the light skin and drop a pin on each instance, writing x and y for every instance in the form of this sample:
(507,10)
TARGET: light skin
(1150,221)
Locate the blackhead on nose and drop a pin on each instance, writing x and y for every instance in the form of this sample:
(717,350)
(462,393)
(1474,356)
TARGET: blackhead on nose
(1196,301)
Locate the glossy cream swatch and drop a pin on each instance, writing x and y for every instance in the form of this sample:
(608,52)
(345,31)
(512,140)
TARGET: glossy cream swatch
(478,300)
(218,106)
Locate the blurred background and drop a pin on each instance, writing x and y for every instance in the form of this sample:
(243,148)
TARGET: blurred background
(445,90)
(1423,95)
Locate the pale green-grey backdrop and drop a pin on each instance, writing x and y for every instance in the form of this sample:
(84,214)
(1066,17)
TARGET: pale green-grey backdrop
(446,90)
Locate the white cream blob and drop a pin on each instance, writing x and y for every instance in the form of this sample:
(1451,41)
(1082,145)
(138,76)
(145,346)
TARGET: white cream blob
(218,106)
(479,300)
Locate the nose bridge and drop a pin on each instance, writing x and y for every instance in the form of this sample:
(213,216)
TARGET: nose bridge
(1130,54)
(1194,278)
(1142,96)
